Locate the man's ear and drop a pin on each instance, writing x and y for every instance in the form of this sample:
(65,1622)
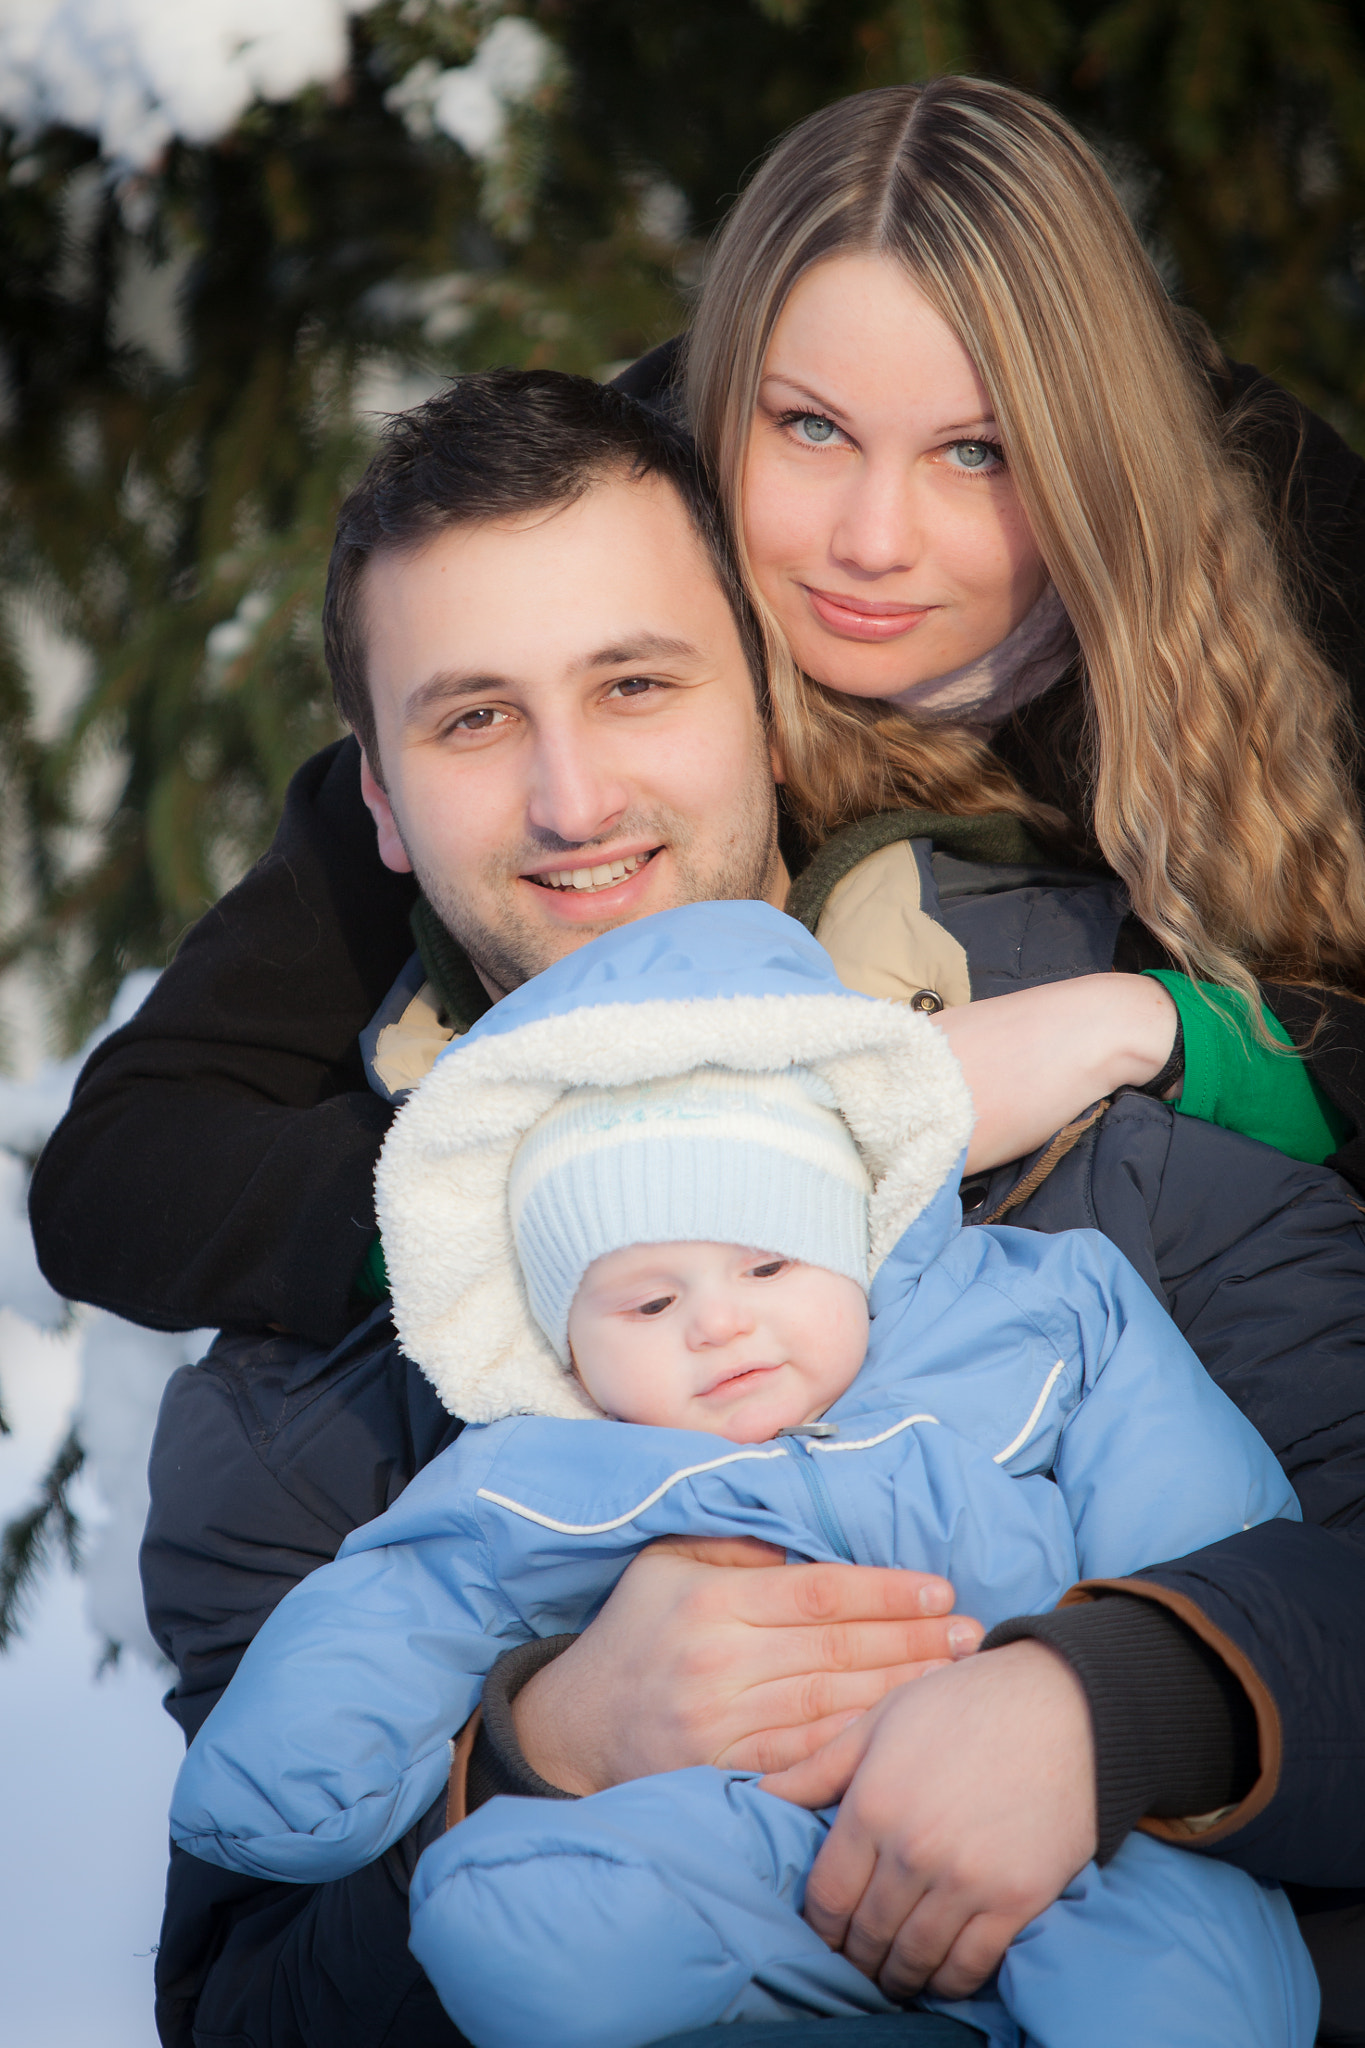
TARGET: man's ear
(779,771)
(392,851)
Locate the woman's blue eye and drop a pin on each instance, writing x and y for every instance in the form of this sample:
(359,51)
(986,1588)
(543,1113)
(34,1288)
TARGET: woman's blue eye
(977,454)
(812,426)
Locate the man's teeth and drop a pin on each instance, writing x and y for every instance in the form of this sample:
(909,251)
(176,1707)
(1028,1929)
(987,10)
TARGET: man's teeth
(600,877)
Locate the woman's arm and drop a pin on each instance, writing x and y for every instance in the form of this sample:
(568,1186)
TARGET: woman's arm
(1034,1060)
(216,1165)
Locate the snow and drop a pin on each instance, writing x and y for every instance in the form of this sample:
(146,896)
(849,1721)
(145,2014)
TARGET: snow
(120,1369)
(88,1760)
(471,102)
(136,73)
(85,1768)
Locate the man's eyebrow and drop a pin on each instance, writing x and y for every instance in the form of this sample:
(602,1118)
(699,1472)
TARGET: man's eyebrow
(447,687)
(636,647)
(450,686)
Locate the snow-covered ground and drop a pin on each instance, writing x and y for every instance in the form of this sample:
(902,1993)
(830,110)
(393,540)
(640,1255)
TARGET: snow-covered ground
(86,1766)
(86,1758)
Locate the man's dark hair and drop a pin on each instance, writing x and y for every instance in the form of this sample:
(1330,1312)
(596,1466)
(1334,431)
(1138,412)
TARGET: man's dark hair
(492,445)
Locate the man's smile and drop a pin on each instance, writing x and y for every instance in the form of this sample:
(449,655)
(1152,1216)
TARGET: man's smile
(602,874)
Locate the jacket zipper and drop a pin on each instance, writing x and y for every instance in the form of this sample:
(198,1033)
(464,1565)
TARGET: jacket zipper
(821,1500)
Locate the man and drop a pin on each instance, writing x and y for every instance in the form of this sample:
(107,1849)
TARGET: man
(535,632)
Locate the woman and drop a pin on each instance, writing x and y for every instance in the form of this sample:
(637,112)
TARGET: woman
(346,941)
(980,480)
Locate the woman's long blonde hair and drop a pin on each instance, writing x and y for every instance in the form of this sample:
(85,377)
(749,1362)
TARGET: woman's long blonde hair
(1216,739)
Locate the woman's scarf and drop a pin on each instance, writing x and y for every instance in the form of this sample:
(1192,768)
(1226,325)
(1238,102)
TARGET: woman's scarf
(990,689)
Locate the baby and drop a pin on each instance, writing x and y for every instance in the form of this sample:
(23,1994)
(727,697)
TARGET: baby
(684,1189)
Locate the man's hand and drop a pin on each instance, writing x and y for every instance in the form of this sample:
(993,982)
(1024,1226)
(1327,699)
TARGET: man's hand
(968,1806)
(692,1661)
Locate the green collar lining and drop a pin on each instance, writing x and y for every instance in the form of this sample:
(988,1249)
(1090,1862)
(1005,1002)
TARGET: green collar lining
(449,969)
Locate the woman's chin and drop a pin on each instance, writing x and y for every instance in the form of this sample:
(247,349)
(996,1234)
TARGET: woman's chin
(855,681)
(879,673)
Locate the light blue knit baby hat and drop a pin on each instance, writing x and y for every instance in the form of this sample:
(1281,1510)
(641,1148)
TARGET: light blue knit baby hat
(708,1157)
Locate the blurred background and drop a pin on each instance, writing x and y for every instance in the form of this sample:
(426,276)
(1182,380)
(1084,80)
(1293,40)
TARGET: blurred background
(233,234)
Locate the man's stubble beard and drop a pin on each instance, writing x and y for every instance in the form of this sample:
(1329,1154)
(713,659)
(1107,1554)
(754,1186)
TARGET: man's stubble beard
(511,948)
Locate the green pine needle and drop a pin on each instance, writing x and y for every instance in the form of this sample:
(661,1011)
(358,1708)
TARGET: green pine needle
(33,1541)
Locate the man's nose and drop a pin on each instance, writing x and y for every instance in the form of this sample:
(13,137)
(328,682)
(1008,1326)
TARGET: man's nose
(878,529)
(576,792)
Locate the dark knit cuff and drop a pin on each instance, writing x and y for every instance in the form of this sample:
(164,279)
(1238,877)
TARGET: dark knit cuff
(496,1763)
(1175,1733)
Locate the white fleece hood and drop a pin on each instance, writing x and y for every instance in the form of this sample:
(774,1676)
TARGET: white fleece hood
(731,985)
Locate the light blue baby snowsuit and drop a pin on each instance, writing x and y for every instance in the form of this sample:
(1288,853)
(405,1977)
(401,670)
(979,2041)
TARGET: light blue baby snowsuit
(1027,1415)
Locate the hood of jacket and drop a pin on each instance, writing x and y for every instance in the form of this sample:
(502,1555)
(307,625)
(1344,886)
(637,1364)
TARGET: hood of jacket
(731,985)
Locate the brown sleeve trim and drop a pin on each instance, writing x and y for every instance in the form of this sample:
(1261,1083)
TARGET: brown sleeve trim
(1185,1832)
(457,1785)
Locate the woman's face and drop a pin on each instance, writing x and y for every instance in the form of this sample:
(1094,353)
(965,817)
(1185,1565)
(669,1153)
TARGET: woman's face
(881,520)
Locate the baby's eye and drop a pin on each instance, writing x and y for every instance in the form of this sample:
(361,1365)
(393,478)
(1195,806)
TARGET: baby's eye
(977,455)
(655,1308)
(770,1269)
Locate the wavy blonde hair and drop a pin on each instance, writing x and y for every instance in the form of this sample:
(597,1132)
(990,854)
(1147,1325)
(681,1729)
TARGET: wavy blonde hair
(1215,737)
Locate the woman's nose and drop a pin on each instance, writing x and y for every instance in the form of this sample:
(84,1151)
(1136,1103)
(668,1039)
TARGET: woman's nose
(877,531)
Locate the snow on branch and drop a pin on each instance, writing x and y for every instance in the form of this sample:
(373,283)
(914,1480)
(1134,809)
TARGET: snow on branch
(136,73)
(139,73)
(123,1371)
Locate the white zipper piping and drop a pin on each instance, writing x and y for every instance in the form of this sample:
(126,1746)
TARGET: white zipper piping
(517,1507)
(1016,1443)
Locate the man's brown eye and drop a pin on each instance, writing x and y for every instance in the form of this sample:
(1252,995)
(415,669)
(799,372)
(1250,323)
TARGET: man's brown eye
(475,721)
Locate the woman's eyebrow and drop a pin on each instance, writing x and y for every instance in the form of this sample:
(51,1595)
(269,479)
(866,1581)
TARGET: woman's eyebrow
(983,425)
(802,391)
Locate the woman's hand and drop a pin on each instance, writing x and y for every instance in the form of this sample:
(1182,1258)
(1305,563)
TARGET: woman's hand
(1036,1059)
(694,1662)
(968,1805)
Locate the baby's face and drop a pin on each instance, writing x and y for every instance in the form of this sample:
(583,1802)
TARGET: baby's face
(715,1337)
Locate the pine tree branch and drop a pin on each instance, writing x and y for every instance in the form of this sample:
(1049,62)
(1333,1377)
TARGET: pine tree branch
(32,1541)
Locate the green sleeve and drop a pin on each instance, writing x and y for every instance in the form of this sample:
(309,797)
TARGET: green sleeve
(1232,1079)
(372,1281)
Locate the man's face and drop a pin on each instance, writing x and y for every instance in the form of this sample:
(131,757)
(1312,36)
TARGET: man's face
(567,727)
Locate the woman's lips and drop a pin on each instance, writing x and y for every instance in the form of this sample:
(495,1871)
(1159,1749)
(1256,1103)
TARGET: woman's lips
(853,620)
